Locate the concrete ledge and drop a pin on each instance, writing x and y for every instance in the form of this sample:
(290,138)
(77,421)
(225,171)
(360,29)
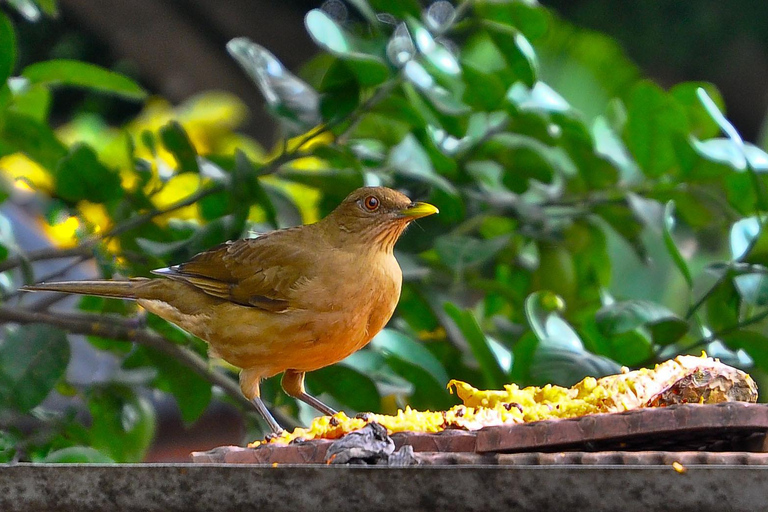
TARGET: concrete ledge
(241,487)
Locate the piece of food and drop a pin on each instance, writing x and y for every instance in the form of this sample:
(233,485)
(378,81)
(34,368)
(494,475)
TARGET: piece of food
(685,379)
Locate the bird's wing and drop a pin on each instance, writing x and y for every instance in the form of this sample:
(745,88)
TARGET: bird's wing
(261,272)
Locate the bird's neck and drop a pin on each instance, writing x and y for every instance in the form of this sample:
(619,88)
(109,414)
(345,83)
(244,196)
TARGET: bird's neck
(372,238)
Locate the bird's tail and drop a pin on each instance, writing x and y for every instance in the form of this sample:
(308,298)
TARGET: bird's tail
(102,288)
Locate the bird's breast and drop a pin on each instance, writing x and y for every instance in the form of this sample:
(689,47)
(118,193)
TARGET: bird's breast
(351,311)
(331,316)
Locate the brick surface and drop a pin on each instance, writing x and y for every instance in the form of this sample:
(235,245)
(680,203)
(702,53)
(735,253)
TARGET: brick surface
(687,434)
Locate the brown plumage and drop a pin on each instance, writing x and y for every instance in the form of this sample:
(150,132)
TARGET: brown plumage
(293,300)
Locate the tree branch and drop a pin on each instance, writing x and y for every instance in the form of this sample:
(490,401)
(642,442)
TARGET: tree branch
(119,328)
(704,341)
(49,253)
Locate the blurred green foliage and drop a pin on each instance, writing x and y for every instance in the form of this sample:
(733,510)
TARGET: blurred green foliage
(589,218)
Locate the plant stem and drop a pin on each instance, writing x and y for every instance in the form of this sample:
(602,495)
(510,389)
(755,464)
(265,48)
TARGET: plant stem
(49,253)
(701,342)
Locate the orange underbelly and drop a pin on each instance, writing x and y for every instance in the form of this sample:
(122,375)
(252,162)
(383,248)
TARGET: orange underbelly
(295,340)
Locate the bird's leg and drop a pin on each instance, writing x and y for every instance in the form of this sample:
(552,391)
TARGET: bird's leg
(293,384)
(250,386)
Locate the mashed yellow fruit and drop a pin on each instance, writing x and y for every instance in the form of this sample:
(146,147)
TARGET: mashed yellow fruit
(683,379)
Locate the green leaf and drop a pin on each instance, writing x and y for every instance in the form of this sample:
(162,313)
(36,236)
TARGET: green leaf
(397,8)
(540,98)
(722,300)
(82,74)
(654,122)
(753,343)
(669,242)
(749,241)
(339,102)
(460,252)
(721,150)
(734,154)
(757,158)
(8,44)
(529,17)
(27,9)
(440,97)
(525,157)
(554,364)
(702,124)
(192,392)
(375,365)
(415,309)
(409,159)
(123,424)
(437,55)
(743,234)
(326,33)
(80,175)
(425,392)
(31,137)
(365,9)
(202,238)
(347,385)
(32,360)
(392,343)
(631,348)
(369,69)
(49,7)
(542,310)
(334,183)
(609,145)
(400,47)
(245,189)
(439,16)
(33,101)
(288,97)
(517,51)
(77,455)
(714,111)
(665,326)
(494,376)
(484,91)
(625,222)
(753,287)
(176,140)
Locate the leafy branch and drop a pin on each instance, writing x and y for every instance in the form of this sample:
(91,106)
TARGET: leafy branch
(119,328)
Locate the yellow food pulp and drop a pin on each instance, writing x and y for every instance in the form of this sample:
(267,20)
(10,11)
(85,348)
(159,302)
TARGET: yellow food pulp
(482,408)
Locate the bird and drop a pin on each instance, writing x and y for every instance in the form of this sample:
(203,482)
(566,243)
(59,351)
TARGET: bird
(288,301)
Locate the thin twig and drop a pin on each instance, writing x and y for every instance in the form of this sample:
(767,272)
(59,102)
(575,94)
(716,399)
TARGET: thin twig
(356,115)
(702,342)
(49,253)
(119,328)
(145,217)
(53,275)
(46,302)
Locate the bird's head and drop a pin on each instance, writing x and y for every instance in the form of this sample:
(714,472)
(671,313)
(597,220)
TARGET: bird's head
(375,216)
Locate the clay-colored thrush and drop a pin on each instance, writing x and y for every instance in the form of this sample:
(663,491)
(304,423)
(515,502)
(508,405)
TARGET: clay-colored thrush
(292,300)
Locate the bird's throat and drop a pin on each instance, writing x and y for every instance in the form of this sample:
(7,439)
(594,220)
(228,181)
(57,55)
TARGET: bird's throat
(384,237)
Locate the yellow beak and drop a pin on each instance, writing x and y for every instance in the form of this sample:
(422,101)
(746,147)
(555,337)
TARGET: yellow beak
(418,210)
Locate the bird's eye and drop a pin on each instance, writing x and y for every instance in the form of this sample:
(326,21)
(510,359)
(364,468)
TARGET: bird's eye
(371,203)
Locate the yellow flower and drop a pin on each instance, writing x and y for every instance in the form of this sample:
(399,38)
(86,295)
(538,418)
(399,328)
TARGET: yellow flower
(63,232)
(25,174)
(177,189)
